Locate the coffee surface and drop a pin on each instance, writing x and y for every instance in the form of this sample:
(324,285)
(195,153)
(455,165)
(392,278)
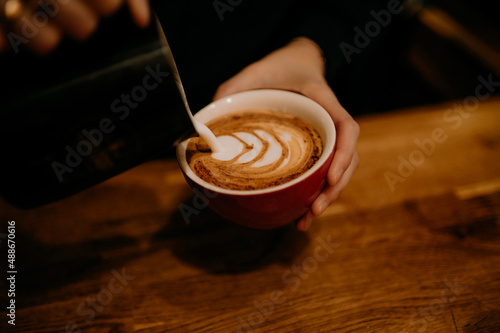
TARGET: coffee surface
(262,148)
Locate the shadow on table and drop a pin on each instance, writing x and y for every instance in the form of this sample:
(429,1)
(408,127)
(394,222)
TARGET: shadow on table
(48,269)
(219,246)
(90,245)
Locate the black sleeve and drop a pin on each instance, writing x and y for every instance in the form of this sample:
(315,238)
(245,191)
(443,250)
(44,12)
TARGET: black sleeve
(213,40)
(340,29)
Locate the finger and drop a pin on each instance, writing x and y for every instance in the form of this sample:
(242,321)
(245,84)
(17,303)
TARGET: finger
(141,12)
(347,129)
(41,38)
(345,149)
(105,7)
(249,78)
(225,89)
(77,19)
(331,193)
(327,197)
(47,38)
(305,222)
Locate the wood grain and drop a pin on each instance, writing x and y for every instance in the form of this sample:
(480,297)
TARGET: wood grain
(423,256)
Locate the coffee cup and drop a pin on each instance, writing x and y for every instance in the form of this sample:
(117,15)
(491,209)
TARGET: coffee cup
(275,206)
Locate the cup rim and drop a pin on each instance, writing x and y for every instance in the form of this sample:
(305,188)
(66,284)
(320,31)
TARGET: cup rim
(285,95)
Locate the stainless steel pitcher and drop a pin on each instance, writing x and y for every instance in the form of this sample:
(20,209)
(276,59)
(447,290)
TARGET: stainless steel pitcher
(60,138)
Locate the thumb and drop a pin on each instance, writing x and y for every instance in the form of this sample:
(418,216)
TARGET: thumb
(247,79)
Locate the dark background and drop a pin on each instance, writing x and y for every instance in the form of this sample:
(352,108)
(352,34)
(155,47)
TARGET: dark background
(430,53)
(410,64)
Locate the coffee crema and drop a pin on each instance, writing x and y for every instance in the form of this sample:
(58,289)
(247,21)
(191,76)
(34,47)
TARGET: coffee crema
(262,148)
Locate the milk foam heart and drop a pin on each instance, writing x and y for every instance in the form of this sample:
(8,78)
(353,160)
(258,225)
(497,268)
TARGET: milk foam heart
(262,148)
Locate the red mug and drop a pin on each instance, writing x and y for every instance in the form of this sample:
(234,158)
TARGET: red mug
(275,206)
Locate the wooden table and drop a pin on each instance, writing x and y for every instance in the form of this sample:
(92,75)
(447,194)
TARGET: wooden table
(412,245)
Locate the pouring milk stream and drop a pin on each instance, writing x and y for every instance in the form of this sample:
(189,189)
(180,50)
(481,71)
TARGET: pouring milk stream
(204,132)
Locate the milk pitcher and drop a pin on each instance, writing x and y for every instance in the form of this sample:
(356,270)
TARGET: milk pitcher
(84,114)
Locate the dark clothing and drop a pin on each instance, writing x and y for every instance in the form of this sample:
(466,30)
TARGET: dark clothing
(213,40)
(92,110)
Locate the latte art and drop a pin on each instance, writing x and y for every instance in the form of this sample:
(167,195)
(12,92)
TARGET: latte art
(262,148)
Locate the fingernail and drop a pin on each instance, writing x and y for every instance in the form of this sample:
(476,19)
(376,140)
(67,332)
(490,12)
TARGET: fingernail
(305,222)
(322,207)
(308,221)
(338,175)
